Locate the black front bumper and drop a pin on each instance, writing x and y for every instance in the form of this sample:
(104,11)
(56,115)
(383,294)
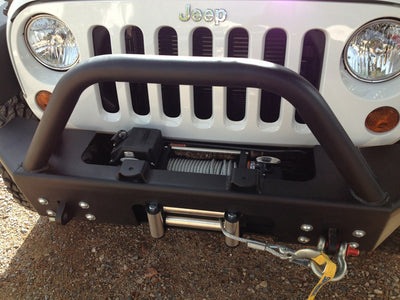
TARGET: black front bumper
(51,166)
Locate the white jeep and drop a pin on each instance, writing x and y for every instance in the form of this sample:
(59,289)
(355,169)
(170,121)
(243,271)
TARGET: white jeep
(278,116)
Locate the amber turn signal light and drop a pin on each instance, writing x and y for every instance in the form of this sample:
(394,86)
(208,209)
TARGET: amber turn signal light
(42,99)
(382,119)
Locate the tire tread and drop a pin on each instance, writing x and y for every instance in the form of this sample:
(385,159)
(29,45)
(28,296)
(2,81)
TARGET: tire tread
(12,108)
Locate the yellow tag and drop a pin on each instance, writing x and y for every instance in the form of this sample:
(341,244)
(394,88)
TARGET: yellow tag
(329,273)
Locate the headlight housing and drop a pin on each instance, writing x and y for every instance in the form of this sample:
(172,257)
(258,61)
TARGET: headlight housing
(51,42)
(372,54)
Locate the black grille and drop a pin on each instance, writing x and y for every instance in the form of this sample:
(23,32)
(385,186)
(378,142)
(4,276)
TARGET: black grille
(274,51)
(168,45)
(238,46)
(139,94)
(202,95)
(202,45)
(312,59)
(108,90)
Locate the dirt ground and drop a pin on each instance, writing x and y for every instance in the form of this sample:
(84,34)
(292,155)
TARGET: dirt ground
(83,260)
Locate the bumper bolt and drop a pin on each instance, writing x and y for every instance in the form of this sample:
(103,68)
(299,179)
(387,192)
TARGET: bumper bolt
(359,233)
(43,201)
(50,213)
(306,227)
(83,205)
(90,217)
(354,245)
(303,239)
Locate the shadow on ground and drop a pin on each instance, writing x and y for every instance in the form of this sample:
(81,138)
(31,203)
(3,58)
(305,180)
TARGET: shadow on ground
(84,260)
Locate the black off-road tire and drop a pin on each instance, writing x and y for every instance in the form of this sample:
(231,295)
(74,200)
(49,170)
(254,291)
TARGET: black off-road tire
(15,107)
(12,108)
(14,190)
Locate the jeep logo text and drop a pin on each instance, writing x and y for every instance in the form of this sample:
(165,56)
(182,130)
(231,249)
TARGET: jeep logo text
(218,15)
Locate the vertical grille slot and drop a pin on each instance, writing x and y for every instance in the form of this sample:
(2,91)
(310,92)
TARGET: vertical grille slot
(168,45)
(238,46)
(202,46)
(312,59)
(274,51)
(108,90)
(139,94)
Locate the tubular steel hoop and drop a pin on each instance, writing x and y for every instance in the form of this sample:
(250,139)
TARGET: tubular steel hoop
(215,72)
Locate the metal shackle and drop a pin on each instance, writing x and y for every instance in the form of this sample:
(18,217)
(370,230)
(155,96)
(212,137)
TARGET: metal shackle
(341,264)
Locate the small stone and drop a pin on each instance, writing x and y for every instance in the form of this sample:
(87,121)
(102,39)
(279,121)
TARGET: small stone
(378,291)
(24,230)
(263,284)
(372,281)
(150,272)
(93,250)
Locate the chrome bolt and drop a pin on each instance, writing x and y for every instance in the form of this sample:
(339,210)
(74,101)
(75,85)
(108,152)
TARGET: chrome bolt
(354,245)
(359,233)
(303,239)
(306,227)
(43,201)
(50,213)
(153,208)
(90,217)
(83,205)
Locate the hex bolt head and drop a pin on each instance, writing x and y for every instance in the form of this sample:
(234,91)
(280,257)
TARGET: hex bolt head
(51,213)
(83,205)
(153,208)
(303,239)
(354,245)
(43,201)
(90,217)
(359,233)
(306,227)
(231,217)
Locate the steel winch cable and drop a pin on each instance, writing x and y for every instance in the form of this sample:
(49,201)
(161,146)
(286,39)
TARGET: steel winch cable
(211,167)
(272,249)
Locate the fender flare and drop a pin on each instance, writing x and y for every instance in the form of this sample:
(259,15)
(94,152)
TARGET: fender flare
(9,85)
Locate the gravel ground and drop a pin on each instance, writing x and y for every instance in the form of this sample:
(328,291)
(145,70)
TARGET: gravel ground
(82,260)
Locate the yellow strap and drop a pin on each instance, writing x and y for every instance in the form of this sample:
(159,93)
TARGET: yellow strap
(329,273)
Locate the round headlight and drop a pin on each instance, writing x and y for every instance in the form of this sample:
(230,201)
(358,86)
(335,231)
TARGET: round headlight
(373,52)
(51,42)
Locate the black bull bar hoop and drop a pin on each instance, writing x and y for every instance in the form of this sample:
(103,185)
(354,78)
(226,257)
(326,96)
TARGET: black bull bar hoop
(208,72)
